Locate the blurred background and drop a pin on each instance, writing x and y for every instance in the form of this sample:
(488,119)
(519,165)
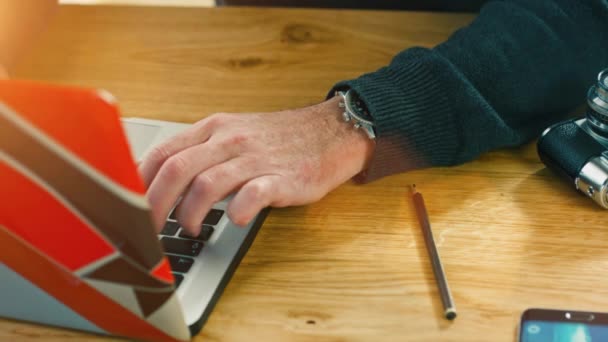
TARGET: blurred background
(420,5)
(199,3)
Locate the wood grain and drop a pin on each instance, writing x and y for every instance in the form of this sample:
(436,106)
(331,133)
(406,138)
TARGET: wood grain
(351,267)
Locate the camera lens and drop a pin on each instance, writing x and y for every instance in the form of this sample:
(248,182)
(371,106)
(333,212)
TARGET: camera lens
(603,82)
(597,98)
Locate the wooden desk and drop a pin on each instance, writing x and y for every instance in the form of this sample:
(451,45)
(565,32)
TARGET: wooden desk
(351,267)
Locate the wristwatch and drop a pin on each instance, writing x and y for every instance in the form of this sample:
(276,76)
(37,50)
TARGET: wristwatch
(355,111)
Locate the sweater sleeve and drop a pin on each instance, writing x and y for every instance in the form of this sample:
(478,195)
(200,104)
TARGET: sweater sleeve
(518,67)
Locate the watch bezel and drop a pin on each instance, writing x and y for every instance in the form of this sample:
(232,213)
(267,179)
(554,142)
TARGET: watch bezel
(351,114)
(349,98)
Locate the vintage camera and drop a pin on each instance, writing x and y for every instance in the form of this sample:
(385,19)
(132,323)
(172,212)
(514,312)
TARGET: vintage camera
(577,149)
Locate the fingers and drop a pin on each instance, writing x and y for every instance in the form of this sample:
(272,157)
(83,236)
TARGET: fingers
(254,196)
(209,187)
(179,170)
(153,161)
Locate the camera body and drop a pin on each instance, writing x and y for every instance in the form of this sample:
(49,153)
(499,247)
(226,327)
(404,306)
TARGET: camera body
(577,149)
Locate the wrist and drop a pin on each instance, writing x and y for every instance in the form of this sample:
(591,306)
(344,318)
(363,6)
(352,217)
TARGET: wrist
(353,149)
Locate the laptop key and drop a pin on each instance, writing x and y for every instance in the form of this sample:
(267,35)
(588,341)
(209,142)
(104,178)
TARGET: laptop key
(172,215)
(204,235)
(179,263)
(213,217)
(180,246)
(178,279)
(170,228)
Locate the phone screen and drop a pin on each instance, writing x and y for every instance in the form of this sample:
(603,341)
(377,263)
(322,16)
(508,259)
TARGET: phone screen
(551,331)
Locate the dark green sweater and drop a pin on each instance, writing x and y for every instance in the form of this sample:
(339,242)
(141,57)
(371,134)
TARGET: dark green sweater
(518,67)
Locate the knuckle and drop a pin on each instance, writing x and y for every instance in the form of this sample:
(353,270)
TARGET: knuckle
(159,153)
(219,173)
(216,120)
(239,139)
(235,140)
(257,191)
(175,166)
(202,185)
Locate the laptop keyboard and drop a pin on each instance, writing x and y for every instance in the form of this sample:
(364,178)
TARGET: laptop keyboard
(181,248)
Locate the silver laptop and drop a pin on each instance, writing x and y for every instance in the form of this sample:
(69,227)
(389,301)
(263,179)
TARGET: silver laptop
(77,244)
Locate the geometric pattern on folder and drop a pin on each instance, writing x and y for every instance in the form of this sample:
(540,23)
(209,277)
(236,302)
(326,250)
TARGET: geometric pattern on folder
(74,220)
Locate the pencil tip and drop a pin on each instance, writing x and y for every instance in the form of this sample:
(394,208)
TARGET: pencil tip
(450,314)
(413,187)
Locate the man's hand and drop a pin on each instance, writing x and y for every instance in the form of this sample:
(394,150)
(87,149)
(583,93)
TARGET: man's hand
(277,159)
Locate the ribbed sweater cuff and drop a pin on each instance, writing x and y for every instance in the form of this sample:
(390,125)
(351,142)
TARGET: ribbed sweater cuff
(415,125)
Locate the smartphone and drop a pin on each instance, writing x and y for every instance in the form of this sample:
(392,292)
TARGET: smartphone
(543,325)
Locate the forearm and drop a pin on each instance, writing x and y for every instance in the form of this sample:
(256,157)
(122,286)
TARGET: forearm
(498,82)
(20,22)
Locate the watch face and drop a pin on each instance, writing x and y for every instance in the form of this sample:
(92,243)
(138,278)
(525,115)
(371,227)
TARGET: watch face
(356,110)
(358,106)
